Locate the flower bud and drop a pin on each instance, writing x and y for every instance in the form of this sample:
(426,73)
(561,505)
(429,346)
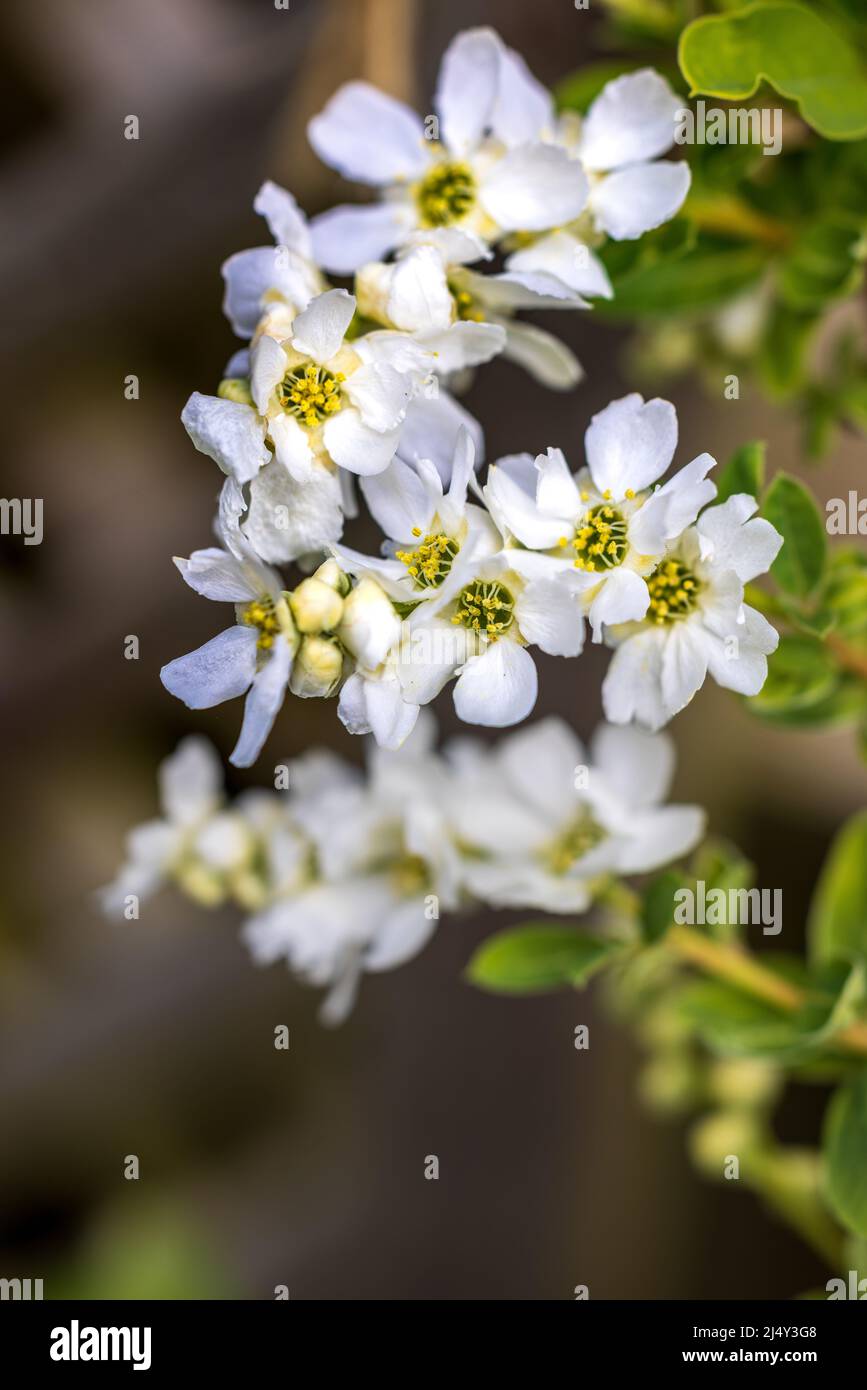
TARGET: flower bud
(370,626)
(235,388)
(316,606)
(202,884)
(720,1136)
(317,668)
(372,290)
(745,1081)
(331,574)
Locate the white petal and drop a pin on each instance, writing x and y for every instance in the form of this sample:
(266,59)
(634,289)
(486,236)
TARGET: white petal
(467,88)
(347,237)
(286,222)
(543,356)
(534,188)
(466,344)
(252,275)
(731,541)
(632,119)
(430,431)
(455,245)
(557,492)
(541,763)
(405,930)
(380,393)
(353,445)
(429,654)
(368,136)
(399,501)
(228,432)
(289,519)
(636,199)
(262,705)
(636,765)
(220,670)
(419,299)
(561,254)
(672,507)
(684,665)
(549,613)
(370,626)
(629,444)
(319,331)
(386,714)
(519,289)
(659,837)
(497,688)
(513,508)
(218,575)
(463,469)
(632,688)
(268,363)
(623,598)
(292,446)
(743,668)
(191,781)
(524,110)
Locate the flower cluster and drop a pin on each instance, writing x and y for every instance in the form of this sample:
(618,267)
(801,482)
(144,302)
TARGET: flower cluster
(337,385)
(342,872)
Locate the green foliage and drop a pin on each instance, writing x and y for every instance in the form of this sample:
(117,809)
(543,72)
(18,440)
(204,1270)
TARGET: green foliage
(801,675)
(657,910)
(845,1148)
(744,472)
(536,957)
(789,506)
(802,56)
(837,926)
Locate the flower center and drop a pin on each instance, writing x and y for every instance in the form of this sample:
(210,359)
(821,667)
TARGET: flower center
(576,841)
(600,541)
(674,592)
(311,393)
(446,194)
(465,306)
(431,561)
(409,875)
(485,606)
(260,614)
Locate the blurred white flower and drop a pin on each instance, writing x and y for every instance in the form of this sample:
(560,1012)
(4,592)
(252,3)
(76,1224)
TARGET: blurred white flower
(285,273)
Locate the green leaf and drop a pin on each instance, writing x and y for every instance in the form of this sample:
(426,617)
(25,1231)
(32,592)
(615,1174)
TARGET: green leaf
(734,1024)
(844,705)
(687,279)
(795,50)
(527,959)
(824,262)
(783,359)
(744,472)
(657,908)
(844,593)
(837,922)
(790,507)
(845,1148)
(801,674)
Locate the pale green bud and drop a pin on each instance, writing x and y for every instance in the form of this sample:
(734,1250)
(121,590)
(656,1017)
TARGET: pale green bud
(316,606)
(317,668)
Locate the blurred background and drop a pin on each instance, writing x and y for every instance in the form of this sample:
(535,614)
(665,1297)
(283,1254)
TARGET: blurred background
(155,1038)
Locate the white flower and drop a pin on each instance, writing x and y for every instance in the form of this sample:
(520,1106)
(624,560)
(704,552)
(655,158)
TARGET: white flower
(465,318)
(255,655)
(629,125)
(479,632)
(196,841)
(435,537)
(486,172)
(546,821)
(607,528)
(697,621)
(384,868)
(286,273)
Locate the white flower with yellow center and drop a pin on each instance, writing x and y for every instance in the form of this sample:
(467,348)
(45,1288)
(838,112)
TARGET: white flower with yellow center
(485,173)
(255,655)
(697,622)
(545,821)
(607,528)
(283,274)
(466,318)
(197,843)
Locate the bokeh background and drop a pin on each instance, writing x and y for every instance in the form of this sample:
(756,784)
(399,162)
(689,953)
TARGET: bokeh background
(304,1168)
